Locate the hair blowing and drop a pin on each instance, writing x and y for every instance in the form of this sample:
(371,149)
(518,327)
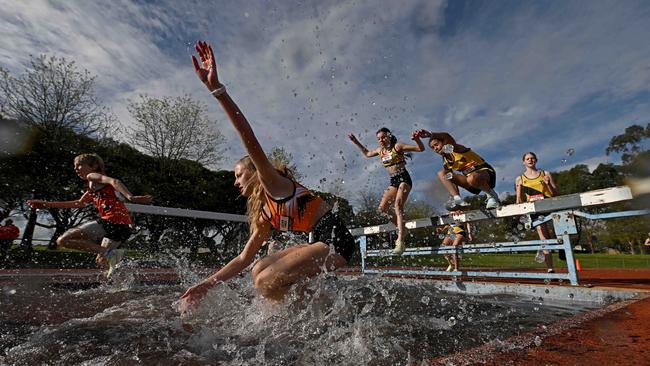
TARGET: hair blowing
(255,201)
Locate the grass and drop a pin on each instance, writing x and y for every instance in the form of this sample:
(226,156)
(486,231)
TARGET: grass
(521,261)
(41,257)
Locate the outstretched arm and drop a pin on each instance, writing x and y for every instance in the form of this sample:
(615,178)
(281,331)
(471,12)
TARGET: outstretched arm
(419,147)
(81,202)
(274,183)
(191,298)
(445,137)
(119,186)
(363,149)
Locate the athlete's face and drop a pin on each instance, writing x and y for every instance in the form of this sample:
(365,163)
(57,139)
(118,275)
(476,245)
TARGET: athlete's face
(530,161)
(436,145)
(383,139)
(243,179)
(83,169)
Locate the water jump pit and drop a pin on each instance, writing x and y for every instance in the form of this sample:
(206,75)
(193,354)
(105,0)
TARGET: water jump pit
(74,318)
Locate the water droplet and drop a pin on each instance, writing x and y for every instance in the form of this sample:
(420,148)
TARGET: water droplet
(570,152)
(448,148)
(452,321)
(563,161)
(538,341)
(449,176)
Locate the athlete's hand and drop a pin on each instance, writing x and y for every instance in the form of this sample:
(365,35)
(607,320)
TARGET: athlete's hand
(191,299)
(547,179)
(207,69)
(37,203)
(422,133)
(353,138)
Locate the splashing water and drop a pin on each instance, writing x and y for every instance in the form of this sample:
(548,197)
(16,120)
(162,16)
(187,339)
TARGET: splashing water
(448,148)
(326,320)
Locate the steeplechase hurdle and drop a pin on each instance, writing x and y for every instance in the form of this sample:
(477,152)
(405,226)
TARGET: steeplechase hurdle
(561,210)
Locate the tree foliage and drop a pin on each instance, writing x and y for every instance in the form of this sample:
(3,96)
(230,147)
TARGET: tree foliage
(175,128)
(53,94)
(630,143)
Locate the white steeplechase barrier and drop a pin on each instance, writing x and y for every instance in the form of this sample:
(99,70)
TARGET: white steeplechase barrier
(560,210)
(182,212)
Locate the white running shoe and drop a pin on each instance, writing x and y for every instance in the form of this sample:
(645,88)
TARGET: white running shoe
(492,203)
(113,257)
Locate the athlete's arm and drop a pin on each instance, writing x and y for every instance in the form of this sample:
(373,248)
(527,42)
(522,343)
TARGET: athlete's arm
(550,182)
(415,148)
(363,149)
(274,184)
(518,192)
(119,186)
(191,298)
(81,202)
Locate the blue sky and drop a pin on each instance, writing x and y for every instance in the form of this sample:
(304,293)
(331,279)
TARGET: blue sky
(503,77)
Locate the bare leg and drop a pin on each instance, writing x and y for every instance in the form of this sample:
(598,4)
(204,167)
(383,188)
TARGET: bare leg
(450,185)
(400,200)
(542,231)
(77,239)
(274,277)
(386,201)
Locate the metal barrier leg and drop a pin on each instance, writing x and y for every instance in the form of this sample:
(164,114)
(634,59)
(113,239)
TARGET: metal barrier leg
(362,248)
(570,260)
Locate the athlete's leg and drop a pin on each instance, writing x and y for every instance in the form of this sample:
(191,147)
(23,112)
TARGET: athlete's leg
(262,263)
(86,237)
(450,185)
(400,200)
(460,239)
(275,280)
(386,202)
(543,233)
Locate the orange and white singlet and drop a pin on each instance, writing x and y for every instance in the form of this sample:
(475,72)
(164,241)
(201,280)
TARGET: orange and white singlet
(294,213)
(110,207)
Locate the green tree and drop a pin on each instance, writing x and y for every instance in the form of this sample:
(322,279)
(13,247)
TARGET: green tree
(630,143)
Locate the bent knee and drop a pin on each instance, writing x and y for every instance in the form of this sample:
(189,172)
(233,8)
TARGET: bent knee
(63,240)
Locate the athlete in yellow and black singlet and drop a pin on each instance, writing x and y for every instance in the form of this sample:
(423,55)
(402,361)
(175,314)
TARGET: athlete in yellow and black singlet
(535,189)
(391,157)
(468,162)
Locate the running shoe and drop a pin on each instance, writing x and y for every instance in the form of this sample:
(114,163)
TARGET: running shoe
(399,247)
(111,259)
(455,204)
(492,203)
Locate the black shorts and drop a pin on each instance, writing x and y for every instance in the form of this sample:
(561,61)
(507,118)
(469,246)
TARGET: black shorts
(493,181)
(331,230)
(115,232)
(399,177)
